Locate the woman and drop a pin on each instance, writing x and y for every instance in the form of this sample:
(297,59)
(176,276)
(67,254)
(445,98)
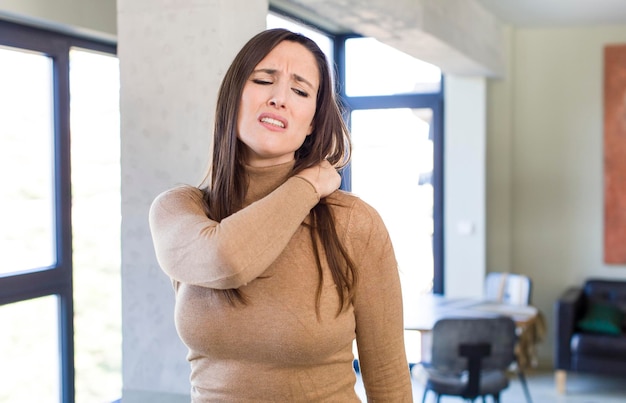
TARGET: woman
(276,272)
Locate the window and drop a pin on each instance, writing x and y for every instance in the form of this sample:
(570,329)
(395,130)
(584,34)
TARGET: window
(30,335)
(373,68)
(96,224)
(392,165)
(42,233)
(396,115)
(26,150)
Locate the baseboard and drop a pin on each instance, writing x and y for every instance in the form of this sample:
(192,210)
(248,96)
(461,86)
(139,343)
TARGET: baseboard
(143,396)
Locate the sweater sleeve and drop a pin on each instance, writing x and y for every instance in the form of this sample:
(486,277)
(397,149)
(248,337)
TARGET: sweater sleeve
(193,249)
(378,309)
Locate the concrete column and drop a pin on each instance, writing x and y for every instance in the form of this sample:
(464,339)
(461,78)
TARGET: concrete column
(464,185)
(173,55)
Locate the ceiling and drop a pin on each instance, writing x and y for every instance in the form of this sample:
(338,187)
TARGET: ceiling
(557,13)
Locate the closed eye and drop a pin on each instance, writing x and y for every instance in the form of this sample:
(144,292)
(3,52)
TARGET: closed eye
(261,81)
(300,92)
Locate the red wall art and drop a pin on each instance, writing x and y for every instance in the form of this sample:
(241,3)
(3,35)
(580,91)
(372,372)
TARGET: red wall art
(615,154)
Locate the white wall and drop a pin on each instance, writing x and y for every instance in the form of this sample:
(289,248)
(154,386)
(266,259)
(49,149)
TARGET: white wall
(498,199)
(173,56)
(553,133)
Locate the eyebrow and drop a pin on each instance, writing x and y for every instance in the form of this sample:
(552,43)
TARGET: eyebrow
(296,77)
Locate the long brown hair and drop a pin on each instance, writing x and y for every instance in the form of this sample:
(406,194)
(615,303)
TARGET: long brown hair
(224,187)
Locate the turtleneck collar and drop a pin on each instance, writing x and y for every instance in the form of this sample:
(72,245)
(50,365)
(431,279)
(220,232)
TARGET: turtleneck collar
(262,181)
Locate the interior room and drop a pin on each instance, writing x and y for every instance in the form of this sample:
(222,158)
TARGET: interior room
(522,175)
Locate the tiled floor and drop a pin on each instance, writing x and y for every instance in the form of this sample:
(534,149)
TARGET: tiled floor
(581,388)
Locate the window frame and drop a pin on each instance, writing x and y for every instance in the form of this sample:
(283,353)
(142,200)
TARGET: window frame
(55,279)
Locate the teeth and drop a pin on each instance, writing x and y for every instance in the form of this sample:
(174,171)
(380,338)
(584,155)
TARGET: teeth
(273,122)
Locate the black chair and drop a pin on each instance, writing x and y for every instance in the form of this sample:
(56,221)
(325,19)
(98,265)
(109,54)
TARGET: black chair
(470,357)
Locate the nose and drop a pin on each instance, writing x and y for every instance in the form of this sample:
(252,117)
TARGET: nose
(275,102)
(277,98)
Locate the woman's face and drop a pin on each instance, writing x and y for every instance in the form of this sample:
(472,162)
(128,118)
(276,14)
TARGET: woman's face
(278,105)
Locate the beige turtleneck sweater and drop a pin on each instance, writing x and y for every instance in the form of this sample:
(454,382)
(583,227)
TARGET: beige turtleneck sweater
(274,348)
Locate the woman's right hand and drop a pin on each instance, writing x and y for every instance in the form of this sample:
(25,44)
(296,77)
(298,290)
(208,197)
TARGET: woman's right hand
(323,176)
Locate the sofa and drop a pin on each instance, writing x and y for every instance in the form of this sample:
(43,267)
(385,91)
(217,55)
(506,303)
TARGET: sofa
(591,330)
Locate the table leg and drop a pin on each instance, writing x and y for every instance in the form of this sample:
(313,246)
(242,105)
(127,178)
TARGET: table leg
(560,377)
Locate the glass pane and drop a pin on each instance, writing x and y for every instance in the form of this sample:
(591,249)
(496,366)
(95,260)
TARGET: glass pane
(323,41)
(29,351)
(373,68)
(96,220)
(26,165)
(391,168)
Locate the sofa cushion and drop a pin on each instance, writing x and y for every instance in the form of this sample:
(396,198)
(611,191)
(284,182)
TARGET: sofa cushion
(599,345)
(606,291)
(602,318)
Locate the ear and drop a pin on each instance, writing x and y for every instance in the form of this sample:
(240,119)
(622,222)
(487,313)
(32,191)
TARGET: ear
(311,128)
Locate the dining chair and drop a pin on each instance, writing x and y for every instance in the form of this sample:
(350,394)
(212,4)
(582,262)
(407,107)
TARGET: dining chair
(508,288)
(514,289)
(470,357)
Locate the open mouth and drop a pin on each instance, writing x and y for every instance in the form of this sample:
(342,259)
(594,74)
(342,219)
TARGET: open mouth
(273,122)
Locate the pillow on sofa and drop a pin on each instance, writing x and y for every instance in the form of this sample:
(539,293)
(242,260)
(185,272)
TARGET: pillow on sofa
(602,318)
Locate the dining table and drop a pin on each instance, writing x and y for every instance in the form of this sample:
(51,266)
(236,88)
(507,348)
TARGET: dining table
(530,324)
